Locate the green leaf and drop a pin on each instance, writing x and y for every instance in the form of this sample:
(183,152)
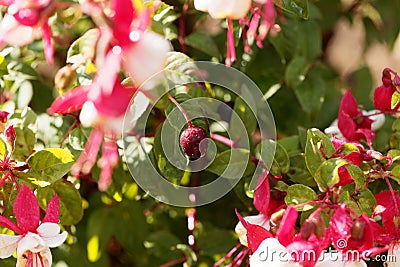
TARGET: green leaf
(232,164)
(299,173)
(309,40)
(297,7)
(162,244)
(281,161)
(327,174)
(245,114)
(291,144)
(216,241)
(83,47)
(77,139)
(318,147)
(366,201)
(51,164)
(311,94)
(358,176)
(202,42)
(395,99)
(71,211)
(296,72)
(298,194)
(3,149)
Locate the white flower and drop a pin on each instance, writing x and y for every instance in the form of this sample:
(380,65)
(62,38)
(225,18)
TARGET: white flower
(241,231)
(219,9)
(271,253)
(33,247)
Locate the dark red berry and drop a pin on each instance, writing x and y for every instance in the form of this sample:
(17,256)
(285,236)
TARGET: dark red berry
(190,141)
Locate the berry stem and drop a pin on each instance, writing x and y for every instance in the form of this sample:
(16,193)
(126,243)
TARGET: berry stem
(396,207)
(224,140)
(173,100)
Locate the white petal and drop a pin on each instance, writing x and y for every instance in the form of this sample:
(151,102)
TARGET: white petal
(31,242)
(202,5)
(378,120)
(48,229)
(55,241)
(8,244)
(234,9)
(89,115)
(13,33)
(147,57)
(271,253)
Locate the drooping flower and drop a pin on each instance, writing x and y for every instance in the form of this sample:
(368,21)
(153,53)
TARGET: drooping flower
(388,207)
(27,20)
(103,112)
(231,10)
(34,236)
(383,94)
(352,123)
(126,43)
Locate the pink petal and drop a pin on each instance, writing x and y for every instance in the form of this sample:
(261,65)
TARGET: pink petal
(52,211)
(70,101)
(107,75)
(48,43)
(107,162)
(255,234)
(27,16)
(340,225)
(26,210)
(88,157)
(123,16)
(6,2)
(286,228)
(114,104)
(5,222)
(348,104)
(262,194)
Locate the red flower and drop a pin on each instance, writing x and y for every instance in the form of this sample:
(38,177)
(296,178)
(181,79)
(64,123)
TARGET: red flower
(383,94)
(351,122)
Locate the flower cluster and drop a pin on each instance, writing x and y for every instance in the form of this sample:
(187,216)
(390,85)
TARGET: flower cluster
(334,217)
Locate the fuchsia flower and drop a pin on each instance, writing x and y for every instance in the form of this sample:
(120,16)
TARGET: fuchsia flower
(126,43)
(312,237)
(388,207)
(105,113)
(34,237)
(104,103)
(352,123)
(25,21)
(256,28)
(383,94)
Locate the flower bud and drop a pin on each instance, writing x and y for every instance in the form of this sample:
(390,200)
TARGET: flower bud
(357,230)
(64,77)
(307,229)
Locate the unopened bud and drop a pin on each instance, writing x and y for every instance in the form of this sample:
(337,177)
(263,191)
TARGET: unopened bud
(3,116)
(396,221)
(357,230)
(277,217)
(10,136)
(64,77)
(386,77)
(319,226)
(307,229)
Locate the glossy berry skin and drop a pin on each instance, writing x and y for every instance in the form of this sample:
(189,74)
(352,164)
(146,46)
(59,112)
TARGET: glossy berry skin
(190,141)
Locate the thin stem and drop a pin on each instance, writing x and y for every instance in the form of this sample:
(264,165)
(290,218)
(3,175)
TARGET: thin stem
(224,140)
(173,100)
(228,255)
(396,207)
(231,53)
(174,262)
